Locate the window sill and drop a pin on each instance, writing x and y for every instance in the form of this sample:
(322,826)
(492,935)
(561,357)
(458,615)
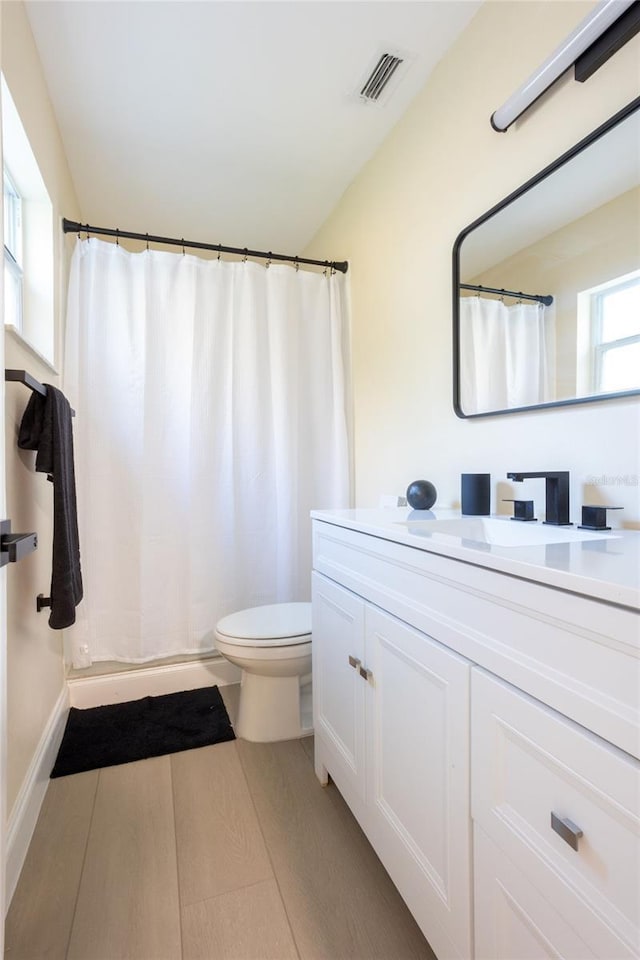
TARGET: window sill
(18,337)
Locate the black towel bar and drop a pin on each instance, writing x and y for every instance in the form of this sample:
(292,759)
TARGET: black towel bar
(15,546)
(21,376)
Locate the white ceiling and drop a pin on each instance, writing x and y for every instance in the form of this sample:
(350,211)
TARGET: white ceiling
(233,122)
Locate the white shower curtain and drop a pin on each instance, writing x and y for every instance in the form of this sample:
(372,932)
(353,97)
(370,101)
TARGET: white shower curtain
(507,354)
(210,401)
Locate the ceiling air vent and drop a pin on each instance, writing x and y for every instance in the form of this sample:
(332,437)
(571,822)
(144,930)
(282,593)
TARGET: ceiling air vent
(380,77)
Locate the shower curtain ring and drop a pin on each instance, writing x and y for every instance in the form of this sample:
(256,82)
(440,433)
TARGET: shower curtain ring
(147,241)
(183,252)
(219,250)
(297,265)
(246,254)
(268,263)
(117,236)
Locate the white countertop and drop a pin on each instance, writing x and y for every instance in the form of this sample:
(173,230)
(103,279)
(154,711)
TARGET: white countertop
(605,567)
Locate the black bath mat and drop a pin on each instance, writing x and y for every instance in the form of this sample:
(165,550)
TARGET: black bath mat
(122,732)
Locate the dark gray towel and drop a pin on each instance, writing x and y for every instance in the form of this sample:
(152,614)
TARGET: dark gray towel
(46,427)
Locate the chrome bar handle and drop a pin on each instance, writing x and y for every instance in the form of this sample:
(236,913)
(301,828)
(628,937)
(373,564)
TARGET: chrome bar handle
(566,829)
(354,662)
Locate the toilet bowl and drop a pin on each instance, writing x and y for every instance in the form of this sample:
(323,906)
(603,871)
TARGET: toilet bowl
(272,646)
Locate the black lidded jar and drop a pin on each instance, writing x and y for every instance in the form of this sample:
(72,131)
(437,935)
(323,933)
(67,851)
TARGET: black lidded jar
(475,494)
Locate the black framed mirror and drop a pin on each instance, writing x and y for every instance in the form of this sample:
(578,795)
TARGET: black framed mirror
(546,284)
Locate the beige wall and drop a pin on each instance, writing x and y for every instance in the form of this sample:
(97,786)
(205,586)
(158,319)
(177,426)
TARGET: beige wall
(35,672)
(3,595)
(441,167)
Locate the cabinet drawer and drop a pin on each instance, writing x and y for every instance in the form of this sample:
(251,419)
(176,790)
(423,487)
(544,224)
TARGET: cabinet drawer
(529,763)
(513,920)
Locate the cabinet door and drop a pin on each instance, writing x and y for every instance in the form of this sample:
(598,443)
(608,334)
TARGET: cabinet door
(418,776)
(338,689)
(514,921)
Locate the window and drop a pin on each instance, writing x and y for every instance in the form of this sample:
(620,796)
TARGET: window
(12,253)
(609,316)
(615,313)
(28,238)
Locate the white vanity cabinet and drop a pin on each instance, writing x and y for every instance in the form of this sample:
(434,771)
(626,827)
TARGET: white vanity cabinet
(457,708)
(392,728)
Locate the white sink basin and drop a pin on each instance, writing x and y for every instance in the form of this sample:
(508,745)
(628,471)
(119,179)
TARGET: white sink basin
(498,531)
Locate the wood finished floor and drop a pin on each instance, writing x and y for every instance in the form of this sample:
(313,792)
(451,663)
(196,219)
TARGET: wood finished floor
(228,852)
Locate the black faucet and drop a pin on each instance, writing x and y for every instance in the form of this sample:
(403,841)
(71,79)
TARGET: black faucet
(556,494)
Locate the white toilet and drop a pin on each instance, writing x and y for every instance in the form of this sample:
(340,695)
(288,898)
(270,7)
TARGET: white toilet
(272,645)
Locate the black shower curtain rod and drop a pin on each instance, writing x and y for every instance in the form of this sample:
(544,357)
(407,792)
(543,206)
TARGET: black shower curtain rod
(72,226)
(546,300)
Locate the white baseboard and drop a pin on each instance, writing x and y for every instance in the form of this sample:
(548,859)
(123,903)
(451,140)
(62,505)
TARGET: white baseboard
(24,816)
(87,692)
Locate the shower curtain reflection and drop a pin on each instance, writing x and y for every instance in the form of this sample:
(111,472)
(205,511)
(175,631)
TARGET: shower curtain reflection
(507,354)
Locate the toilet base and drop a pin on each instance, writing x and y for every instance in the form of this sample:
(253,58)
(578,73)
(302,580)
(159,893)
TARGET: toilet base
(269,709)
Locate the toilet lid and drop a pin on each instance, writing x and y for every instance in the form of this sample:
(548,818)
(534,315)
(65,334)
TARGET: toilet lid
(277,624)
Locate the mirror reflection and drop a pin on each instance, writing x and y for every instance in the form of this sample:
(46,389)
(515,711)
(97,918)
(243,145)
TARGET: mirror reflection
(547,284)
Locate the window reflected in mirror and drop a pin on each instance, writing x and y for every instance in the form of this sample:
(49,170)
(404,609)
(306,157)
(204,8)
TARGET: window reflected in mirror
(609,315)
